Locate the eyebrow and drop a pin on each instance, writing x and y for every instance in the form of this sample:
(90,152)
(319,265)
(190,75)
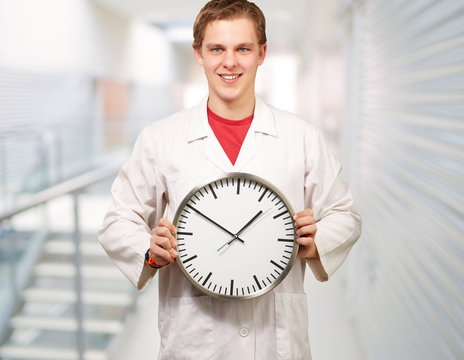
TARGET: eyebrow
(242,45)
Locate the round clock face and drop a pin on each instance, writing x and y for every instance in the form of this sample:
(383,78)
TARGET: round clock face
(236,238)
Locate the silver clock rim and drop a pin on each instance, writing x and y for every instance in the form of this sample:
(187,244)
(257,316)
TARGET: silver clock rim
(293,256)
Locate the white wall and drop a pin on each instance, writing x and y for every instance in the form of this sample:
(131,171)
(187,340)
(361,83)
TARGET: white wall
(81,36)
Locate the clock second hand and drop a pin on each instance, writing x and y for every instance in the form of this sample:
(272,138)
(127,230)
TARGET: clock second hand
(244,227)
(215,223)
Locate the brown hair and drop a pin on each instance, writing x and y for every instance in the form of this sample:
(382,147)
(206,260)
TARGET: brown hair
(225,10)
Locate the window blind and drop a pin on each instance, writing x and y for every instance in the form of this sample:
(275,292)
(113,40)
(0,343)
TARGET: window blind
(405,140)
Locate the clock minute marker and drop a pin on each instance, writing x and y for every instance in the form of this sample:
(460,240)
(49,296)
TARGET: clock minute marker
(262,195)
(213,192)
(257,282)
(206,279)
(189,259)
(274,263)
(279,215)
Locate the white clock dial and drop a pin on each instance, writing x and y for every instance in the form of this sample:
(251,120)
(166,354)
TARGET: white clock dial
(236,237)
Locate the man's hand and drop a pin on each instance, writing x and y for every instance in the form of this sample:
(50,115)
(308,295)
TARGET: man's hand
(306,232)
(163,243)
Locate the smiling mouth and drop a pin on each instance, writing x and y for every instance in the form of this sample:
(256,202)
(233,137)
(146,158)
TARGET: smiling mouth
(230,77)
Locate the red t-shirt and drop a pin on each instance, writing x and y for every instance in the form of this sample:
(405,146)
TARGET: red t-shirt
(230,133)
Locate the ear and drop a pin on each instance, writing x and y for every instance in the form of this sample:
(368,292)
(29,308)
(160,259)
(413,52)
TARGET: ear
(262,53)
(198,56)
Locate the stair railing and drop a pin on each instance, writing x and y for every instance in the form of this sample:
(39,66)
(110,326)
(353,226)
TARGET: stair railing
(72,187)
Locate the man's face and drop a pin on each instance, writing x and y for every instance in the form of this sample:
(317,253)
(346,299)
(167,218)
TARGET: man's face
(230,55)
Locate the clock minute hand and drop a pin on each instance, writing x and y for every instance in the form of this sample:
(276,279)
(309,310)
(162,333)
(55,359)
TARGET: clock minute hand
(214,222)
(249,222)
(243,228)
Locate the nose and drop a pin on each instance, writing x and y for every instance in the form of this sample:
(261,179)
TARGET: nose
(230,59)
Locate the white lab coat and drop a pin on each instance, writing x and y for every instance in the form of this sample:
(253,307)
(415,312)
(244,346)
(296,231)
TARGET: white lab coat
(174,155)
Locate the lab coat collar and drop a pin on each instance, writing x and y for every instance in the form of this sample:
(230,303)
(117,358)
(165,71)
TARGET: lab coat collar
(263,120)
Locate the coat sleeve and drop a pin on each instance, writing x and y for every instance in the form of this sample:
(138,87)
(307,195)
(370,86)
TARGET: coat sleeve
(137,205)
(338,222)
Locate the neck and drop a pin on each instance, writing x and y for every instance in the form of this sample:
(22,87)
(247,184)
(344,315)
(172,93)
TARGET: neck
(236,110)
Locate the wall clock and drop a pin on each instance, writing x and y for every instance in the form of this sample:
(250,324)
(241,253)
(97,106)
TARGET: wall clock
(236,237)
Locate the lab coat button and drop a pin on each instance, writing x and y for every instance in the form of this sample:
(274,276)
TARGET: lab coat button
(243,332)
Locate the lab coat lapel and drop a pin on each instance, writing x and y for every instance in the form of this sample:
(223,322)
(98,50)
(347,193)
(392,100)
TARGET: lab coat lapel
(215,153)
(263,122)
(201,131)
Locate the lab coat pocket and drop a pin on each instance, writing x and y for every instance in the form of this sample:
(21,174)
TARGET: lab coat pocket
(292,326)
(189,334)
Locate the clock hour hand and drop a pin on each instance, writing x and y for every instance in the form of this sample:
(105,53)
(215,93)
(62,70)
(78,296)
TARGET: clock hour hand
(214,222)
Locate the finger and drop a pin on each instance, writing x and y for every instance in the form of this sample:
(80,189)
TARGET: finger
(308,230)
(161,256)
(167,224)
(161,246)
(165,244)
(307,241)
(303,213)
(303,221)
(163,232)
(164,223)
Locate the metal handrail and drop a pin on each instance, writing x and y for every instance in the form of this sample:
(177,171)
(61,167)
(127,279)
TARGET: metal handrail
(73,187)
(70,186)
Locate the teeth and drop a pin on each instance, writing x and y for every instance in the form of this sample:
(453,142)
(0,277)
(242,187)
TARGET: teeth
(229,77)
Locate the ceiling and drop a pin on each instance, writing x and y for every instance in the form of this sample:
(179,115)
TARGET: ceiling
(285,19)
(292,25)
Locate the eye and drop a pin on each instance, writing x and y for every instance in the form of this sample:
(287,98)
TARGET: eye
(216,50)
(243,50)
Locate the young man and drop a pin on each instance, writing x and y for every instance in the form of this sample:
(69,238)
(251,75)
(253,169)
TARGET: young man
(230,130)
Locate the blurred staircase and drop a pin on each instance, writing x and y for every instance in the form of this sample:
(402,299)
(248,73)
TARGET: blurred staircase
(45,325)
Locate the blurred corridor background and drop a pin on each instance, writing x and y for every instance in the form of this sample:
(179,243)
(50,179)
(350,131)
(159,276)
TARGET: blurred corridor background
(384,80)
